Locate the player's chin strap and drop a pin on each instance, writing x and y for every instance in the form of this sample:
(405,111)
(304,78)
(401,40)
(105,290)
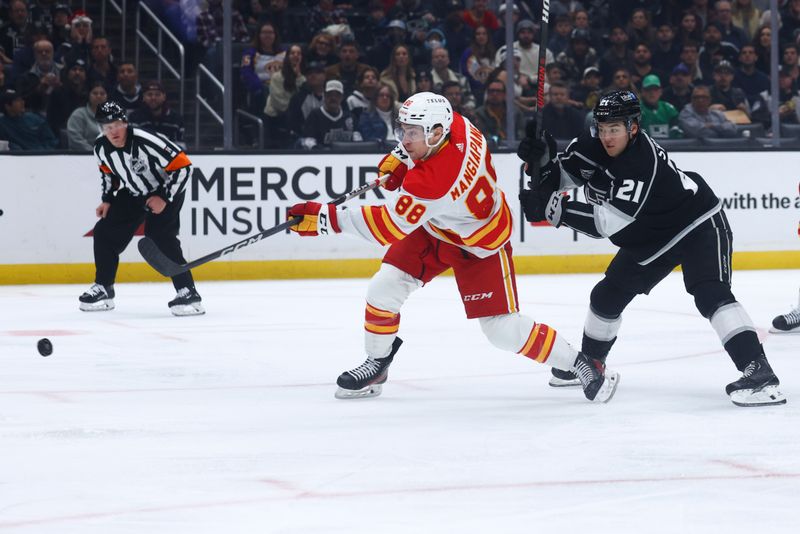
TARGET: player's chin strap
(432,149)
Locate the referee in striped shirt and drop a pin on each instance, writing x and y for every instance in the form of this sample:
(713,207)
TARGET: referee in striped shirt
(143,179)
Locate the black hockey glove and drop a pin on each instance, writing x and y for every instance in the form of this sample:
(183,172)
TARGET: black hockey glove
(542,205)
(531,148)
(554,210)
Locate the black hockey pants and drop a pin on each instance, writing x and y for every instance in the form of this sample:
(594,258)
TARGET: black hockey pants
(113,234)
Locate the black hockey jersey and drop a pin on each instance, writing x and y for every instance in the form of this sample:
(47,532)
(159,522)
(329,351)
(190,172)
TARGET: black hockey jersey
(640,200)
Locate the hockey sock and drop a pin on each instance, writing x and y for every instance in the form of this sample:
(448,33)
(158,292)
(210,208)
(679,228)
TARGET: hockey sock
(388,290)
(743,348)
(521,334)
(595,348)
(599,333)
(545,346)
(737,333)
(381,328)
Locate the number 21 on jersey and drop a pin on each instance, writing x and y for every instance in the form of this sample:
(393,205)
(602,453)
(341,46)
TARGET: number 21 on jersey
(630,190)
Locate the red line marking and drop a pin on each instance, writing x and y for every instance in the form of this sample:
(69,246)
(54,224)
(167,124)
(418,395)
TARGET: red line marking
(409,382)
(744,467)
(43,332)
(304,495)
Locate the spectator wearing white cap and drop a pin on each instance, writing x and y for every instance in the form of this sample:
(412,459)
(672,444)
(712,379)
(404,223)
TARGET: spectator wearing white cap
(529,50)
(330,122)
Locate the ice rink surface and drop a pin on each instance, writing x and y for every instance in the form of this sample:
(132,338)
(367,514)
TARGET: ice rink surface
(141,422)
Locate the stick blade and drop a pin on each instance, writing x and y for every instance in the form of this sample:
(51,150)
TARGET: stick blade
(157,260)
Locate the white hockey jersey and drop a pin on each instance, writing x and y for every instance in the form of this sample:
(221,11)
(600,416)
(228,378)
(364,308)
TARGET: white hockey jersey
(453,195)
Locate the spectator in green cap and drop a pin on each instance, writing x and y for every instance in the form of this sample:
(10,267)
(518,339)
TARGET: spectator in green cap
(659,118)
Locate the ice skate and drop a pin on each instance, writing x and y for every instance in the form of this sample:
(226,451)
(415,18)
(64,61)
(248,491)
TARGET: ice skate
(563,379)
(788,323)
(599,384)
(186,302)
(97,298)
(367,379)
(758,386)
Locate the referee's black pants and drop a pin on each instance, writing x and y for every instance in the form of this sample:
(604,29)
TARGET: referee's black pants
(113,234)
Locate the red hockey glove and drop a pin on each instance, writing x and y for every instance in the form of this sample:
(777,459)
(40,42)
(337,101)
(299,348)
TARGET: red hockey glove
(318,219)
(396,164)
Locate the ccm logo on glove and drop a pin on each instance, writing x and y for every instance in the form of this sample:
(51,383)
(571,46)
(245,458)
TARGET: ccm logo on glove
(318,219)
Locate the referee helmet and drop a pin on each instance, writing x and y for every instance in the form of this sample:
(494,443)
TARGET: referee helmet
(109,112)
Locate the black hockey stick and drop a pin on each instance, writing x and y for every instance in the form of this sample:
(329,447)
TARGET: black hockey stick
(537,133)
(165,266)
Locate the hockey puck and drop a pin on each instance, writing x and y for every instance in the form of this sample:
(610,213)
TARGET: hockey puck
(45,347)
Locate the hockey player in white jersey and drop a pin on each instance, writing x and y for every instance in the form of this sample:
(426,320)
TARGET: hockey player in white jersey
(447,211)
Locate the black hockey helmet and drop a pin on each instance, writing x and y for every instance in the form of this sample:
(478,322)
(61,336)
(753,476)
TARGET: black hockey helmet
(618,106)
(109,112)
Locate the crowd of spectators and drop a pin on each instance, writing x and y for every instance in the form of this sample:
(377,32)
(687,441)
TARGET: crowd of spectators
(321,71)
(700,67)
(54,72)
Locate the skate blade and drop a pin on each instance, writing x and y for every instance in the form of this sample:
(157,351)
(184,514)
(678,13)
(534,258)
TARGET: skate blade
(372,390)
(608,388)
(768,396)
(185,310)
(101,305)
(561,383)
(795,330)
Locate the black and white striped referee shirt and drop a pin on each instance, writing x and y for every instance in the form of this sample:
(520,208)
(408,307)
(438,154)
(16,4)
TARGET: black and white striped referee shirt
(149,164)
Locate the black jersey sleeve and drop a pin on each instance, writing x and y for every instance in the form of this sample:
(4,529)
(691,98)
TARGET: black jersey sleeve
(582,161)
(580,217)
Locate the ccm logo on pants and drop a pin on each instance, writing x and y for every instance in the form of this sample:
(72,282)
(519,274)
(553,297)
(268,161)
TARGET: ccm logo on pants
(478,296)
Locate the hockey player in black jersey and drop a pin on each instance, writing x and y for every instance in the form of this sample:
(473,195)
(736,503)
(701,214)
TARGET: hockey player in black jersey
(660,217)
